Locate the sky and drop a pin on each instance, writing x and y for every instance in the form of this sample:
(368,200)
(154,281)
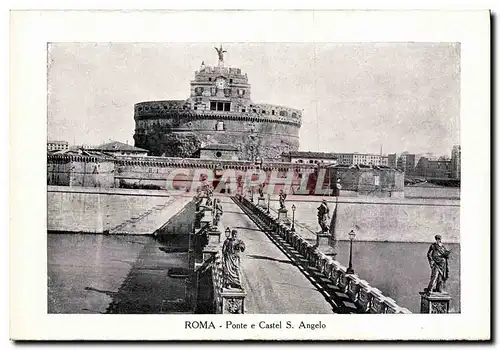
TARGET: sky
(355,97)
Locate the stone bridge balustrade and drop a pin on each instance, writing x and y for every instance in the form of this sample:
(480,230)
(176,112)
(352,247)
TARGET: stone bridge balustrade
(366,298)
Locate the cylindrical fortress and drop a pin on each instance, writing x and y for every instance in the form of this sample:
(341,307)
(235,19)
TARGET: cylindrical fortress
(219,111)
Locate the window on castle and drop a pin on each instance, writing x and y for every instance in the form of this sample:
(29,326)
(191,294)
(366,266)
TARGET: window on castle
(230,81)
(243,110)
(283,113)
(272,112)
(220,106)
(209,79)
(213,106)
(254,110)
(227,106)
(220,126)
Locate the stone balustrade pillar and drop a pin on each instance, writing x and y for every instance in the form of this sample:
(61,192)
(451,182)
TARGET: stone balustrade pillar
(207,219)
(214,242)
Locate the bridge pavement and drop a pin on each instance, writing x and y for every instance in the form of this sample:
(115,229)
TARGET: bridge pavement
(273,283)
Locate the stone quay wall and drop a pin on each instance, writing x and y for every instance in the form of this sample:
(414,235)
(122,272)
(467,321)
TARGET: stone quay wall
(384,219)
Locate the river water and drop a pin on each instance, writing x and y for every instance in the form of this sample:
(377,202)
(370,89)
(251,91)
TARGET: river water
(116,274)
(130,274)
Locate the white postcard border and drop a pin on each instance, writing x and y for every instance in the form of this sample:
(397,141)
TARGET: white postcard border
(30,32)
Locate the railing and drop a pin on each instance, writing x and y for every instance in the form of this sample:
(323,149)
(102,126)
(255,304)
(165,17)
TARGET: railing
(366,298)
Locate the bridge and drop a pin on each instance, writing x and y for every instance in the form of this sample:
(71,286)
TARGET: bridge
(281,271)
(284,269)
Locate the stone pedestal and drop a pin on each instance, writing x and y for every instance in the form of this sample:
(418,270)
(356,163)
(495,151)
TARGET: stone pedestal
(323,244)
(283,216)
(233,301)
(197,221)
(261,202)
(434,303)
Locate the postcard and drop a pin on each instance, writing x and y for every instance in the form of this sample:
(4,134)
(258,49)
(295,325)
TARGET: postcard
(250,175)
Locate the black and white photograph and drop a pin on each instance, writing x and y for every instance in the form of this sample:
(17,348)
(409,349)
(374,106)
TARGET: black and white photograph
(270,178)
(280,183)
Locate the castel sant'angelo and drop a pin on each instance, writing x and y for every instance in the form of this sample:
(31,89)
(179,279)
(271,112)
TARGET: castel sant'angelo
(218,113)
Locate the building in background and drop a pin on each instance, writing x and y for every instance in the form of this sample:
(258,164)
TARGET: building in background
(116,148)
(334,158)
(392,160)
(455,162)
(57,145)
(377,181)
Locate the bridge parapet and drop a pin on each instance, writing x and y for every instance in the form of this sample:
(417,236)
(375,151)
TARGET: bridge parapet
(363,298)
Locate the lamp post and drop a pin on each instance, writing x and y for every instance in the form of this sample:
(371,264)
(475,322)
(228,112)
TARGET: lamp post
(268,201)
(293,216)
(350,270)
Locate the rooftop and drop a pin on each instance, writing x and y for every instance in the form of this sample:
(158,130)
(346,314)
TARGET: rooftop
(81,152)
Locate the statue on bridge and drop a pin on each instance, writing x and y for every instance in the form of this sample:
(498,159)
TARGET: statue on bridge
(438,255)
(261,191)
(231,261)
(282,198)
(218,211)
(324,216)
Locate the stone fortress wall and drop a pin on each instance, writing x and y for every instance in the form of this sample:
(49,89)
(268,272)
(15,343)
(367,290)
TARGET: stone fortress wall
(218,111)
